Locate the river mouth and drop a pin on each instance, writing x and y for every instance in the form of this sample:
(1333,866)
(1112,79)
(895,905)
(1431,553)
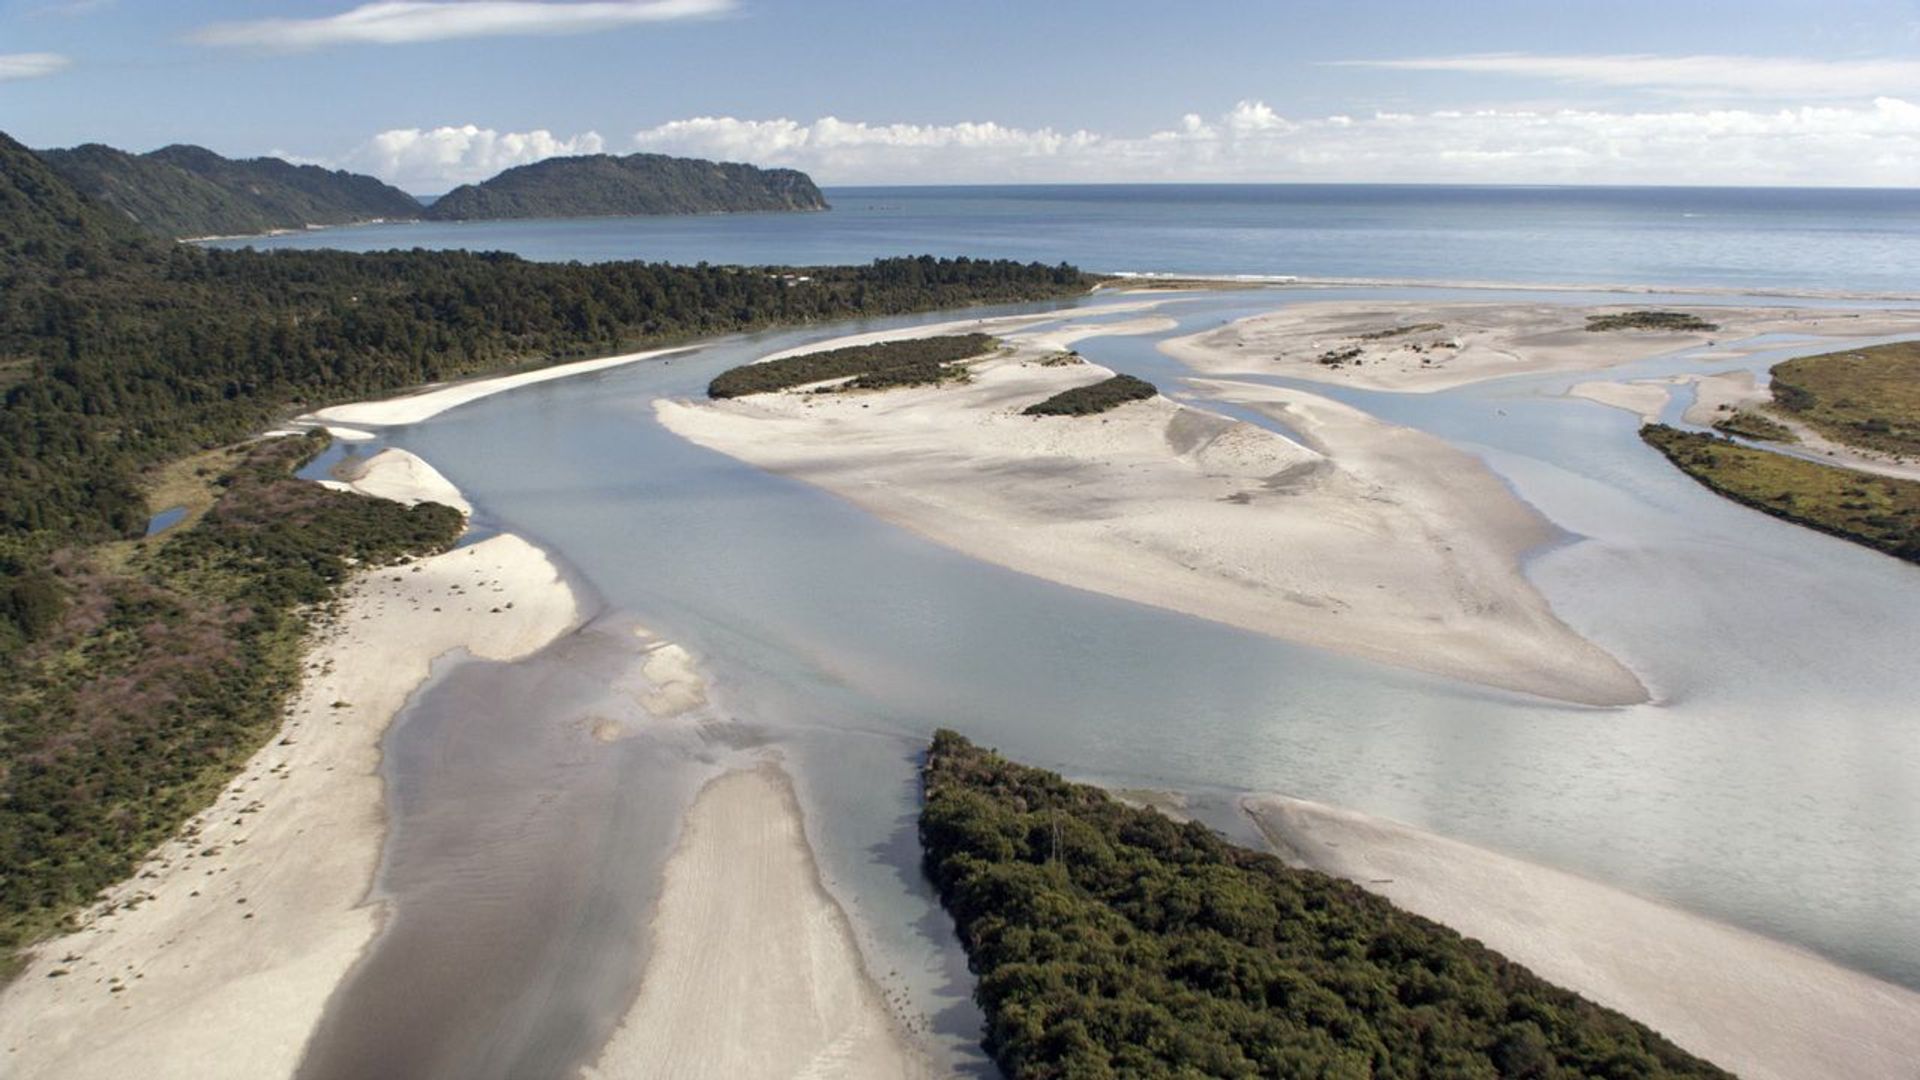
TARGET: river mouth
(1765,786)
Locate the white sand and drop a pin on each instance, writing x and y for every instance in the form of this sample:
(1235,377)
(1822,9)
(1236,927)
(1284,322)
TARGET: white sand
(406,478)
(244,926)
(1002,324)
(1479,341)
(755,972)
(1764,1009)
(1380,542)
(1642,398)
(417,407)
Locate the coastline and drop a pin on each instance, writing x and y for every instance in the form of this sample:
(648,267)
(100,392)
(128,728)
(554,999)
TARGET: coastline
(1153,278)
(1355,545)
(218,957)
(1757,1006)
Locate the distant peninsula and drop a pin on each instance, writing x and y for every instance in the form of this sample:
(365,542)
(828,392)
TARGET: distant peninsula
(189,191)
(602,185)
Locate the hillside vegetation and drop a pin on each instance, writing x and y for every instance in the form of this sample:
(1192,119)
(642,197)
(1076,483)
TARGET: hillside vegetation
(1881,512)
(1865,397)
(181,191)
(1094,398)
(601,185)
(1112,942)
(1649,320)
(909,362)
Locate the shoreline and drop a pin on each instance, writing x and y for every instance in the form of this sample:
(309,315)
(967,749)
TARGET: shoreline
(1281,281)
(432,401)
(1749,1003)
(1354,546)
(219,955)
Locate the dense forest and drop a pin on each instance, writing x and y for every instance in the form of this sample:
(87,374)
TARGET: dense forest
(182,191)
(1094,397)
(908,362)
(1113,942)
(154,682)
(601,185)
(1879,511)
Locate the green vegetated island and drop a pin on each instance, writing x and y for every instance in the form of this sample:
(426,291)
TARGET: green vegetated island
(925,361)
(1866,398)
(1110,941)
(188,191)
(907,362)
(137,674)
(601,185)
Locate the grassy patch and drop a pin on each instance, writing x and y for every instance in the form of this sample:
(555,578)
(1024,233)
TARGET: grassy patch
(1864,397)
(130,711)
(1649,320)
(881,366)
(1112,942)
(1094,398)
(1749,424)
(1878,511)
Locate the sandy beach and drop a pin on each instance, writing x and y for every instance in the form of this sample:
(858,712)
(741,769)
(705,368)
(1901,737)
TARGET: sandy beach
(1377,541)
(1766,1010)
(403,477)
(1415,347)
(218,957)
(1643,398)
(755,972)
(430,403)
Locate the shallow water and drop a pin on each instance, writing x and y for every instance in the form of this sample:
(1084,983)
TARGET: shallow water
(1771,783)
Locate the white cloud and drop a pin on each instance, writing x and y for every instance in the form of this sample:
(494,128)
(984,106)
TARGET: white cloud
(1870,144)
(31,65)
(400,22)
(1773,78)
(436,160)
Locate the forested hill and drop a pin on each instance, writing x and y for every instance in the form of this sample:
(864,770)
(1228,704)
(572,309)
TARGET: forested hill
(184,191)
(601,185)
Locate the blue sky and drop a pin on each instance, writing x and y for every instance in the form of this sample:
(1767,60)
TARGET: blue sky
(429,93)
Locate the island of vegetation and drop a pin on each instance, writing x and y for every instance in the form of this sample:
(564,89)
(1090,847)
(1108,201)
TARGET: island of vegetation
(1093,398)
(1863,397)
(908,362)
(1672,321)
(184,191)
(1879,511)
(1755,425)
(135,676)
(1114,942)
(601,185)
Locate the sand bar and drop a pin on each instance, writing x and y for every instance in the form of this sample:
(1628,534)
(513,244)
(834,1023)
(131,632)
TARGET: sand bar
(406,478)
(754,972)
(1764,1009)
(422,406)
(228,943)
(1378,541)
(1645,399)
(1415,347)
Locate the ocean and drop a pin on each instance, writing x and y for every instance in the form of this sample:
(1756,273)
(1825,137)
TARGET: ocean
(1748,239)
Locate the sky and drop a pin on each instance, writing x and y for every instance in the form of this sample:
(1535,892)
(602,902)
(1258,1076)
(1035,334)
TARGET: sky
(429,94)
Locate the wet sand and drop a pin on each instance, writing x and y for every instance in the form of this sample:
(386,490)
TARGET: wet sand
(1764,1009)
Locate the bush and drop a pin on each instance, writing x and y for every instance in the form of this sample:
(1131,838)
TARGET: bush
(1095,398)
(870,367)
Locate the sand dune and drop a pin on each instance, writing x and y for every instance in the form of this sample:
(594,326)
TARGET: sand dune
(1764,1009)
(1378,541)
(754,973)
